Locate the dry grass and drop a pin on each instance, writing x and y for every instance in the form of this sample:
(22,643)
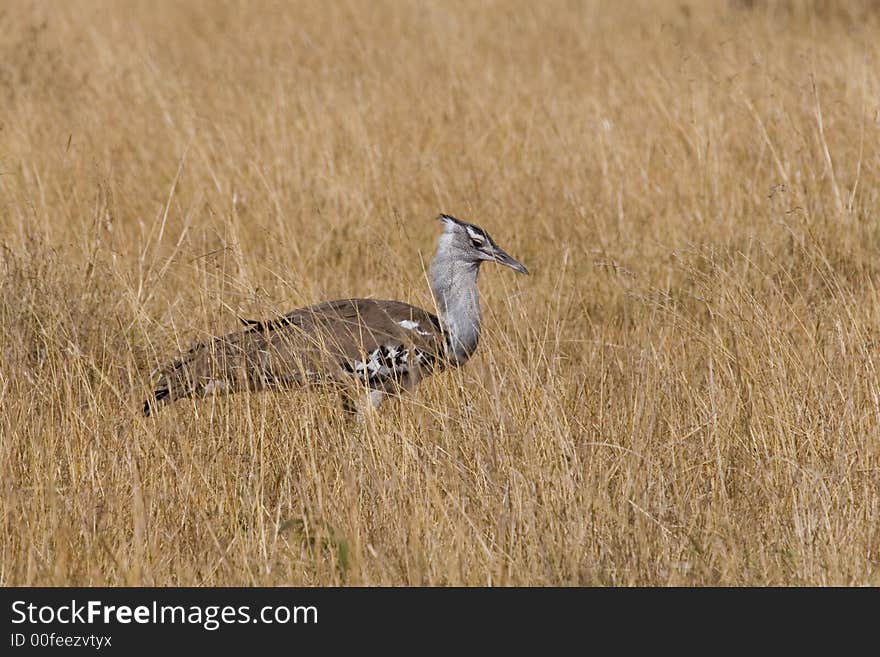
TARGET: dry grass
(685,391)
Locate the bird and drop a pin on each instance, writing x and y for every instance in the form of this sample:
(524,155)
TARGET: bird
(371,349)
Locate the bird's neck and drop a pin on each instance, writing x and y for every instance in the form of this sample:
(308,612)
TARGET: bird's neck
(454,285)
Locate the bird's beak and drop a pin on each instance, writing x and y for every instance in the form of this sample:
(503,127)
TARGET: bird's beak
(503,258)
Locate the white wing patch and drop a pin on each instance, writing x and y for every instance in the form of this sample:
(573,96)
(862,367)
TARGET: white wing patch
(410,325)
(390,361)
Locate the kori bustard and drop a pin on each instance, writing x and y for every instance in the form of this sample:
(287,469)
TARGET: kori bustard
(368,347)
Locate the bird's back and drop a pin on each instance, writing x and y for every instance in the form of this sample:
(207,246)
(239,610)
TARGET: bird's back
(352,336)
(382,343)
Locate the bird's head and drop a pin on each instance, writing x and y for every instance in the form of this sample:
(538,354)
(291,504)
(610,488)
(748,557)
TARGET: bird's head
(473,244)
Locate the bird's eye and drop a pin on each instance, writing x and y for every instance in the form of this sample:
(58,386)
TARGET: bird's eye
(478,244)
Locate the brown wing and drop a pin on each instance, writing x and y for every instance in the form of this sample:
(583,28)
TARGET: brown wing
(383,343)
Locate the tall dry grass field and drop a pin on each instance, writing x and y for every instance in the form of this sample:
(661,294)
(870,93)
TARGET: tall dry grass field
(685,391)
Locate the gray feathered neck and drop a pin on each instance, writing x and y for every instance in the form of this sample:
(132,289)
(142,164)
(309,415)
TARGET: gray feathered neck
(454,285)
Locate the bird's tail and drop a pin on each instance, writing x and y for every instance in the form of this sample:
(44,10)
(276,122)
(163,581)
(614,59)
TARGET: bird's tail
(160,395)
(251,359)
(173,383)
(206,369)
